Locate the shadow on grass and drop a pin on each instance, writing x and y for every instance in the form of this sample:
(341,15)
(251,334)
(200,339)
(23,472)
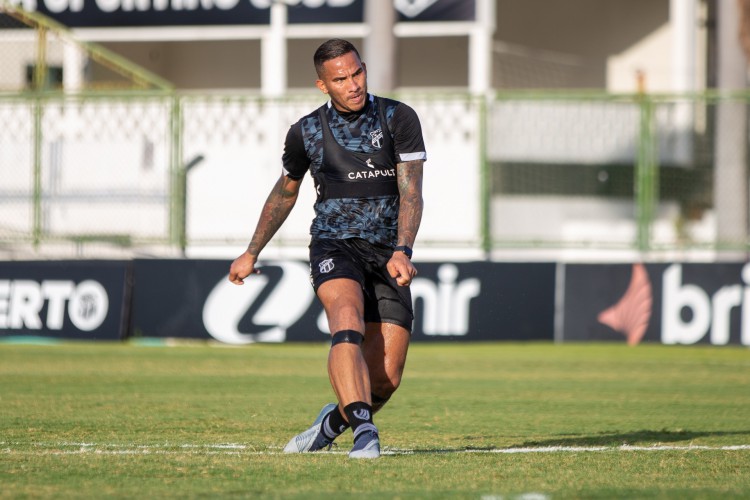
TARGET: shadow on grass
(641,437)
(605,439)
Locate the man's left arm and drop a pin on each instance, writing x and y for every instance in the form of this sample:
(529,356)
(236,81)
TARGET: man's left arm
(409,176)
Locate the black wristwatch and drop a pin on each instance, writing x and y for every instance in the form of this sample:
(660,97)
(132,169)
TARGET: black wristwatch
(405,249)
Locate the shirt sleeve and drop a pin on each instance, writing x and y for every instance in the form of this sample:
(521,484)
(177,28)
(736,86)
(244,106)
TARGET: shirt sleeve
(295,162)
(407,134)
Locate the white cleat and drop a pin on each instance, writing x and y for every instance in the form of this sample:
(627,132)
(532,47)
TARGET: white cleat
(311,439)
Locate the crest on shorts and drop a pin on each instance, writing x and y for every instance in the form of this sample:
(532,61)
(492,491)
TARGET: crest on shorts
(376,136)
(326,266)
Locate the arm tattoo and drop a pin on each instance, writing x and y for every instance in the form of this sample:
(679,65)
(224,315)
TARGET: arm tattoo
(278,205)
(411,204)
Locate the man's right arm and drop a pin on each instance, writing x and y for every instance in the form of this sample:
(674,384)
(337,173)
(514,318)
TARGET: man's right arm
(278,205)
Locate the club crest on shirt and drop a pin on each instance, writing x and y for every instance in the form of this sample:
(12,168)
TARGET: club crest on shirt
(326,266)
(376,136)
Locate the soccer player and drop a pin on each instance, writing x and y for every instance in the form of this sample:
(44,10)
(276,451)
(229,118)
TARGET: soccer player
(365,155)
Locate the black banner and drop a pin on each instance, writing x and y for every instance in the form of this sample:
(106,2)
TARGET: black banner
(483,301)
(466,301)
(129,13)
(343,11)
(65,299)
(667,303)
(432,10)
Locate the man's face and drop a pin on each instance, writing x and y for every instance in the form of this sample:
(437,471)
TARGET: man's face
(344,79)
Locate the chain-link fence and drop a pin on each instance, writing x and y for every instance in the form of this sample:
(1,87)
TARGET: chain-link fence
(544,171)
(235,145)
(628,171)
(80,169)
(86,141)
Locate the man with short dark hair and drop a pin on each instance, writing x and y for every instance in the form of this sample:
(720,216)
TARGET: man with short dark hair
(365,155)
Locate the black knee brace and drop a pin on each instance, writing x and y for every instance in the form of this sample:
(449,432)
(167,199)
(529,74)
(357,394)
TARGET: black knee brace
(348,337)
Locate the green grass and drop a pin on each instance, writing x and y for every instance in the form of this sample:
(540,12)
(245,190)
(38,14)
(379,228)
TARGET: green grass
(117,420)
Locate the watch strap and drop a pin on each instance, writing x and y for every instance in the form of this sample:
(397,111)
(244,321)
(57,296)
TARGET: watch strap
(405,249)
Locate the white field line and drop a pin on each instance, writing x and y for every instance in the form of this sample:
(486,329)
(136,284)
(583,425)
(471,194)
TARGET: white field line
(67,448)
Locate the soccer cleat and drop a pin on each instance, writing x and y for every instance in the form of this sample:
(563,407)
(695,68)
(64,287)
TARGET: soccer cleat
(367,445)
(312,439)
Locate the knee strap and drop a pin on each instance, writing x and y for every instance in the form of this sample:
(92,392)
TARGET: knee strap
(348,337)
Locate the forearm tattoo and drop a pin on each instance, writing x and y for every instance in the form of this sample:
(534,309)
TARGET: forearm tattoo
(275,211)
(410,209)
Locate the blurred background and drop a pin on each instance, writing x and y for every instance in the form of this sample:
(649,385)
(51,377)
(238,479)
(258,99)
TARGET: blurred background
(556,130)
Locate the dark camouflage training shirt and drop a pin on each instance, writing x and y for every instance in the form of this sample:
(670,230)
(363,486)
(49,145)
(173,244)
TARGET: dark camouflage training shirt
(352,159)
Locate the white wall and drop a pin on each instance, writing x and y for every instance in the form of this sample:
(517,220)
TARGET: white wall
(553,44)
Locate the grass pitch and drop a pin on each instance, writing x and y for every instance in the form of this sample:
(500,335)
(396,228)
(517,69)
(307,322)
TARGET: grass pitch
(484,421)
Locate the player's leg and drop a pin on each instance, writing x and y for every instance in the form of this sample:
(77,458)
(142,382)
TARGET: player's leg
(337,276)
(331,261)
(388,315)
(343,301)
(384,349)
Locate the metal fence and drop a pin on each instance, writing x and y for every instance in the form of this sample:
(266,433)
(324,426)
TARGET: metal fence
(85,153)
(649,172)
(85,168)
(138,169)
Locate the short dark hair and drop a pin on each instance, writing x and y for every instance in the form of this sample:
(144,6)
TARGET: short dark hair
(333,48)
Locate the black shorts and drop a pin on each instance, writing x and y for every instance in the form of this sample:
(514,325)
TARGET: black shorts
(363,262)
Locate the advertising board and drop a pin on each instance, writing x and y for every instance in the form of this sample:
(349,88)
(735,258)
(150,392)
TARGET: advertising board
(84,300)
(452,301)
(672,303)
